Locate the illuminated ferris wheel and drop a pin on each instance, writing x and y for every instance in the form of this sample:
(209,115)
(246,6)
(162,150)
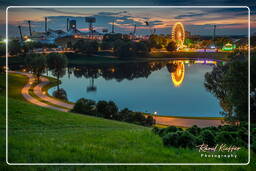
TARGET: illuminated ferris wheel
(178,34)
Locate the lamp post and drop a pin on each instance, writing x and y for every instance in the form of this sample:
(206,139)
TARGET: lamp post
(155,114)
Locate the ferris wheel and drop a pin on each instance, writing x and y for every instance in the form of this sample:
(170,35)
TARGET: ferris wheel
(178,34)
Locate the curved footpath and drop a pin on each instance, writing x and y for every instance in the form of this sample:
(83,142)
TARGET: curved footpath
(44,100)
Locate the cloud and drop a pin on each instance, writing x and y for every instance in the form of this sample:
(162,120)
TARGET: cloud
(189,15)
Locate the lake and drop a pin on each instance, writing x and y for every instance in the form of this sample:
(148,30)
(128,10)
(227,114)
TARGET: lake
(173,88)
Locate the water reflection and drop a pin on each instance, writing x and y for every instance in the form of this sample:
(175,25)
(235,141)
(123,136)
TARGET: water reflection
(179,74)
(145,86)
(131,71)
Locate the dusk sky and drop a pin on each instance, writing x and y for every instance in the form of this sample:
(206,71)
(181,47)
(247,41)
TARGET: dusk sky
(199,21)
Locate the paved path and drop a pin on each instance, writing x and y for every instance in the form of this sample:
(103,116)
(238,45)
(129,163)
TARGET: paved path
(38,92)
(28,97)
(183,122)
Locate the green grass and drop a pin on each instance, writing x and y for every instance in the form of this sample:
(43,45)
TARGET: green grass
(38,134)
(15,84)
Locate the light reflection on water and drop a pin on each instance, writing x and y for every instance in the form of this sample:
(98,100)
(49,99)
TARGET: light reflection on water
(170,87)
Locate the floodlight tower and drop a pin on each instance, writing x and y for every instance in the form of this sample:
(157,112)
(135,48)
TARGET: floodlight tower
(45,25)
(29,26)
(21,37)
(90,20)
(113,26)
(213,38)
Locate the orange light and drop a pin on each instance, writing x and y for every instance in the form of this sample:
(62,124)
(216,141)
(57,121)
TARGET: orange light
(44,92)
(178,75)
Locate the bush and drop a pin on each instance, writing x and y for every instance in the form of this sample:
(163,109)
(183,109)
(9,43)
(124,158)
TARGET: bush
(171,139)
(186,139)
(150,120)
(208,137)
(125,115)
(226,137)
(138,118)
(195,130)
(60,94)
(179,139)
(170,129)
(171,46)
(85,106)
(107,109)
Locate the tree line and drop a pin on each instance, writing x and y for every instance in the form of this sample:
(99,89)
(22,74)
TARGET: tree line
(109,110)
(38,63)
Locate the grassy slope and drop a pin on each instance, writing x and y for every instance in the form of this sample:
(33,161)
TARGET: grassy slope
(42,135)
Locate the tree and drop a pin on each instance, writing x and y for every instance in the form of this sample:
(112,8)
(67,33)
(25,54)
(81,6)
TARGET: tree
(141,48)
(14,47)
(124,49)
(171,46)
(85,106)
(36,63)
(57,63)
(60,94)
(106,45)
(2,49)
(89,46)
(107,109)
(229,83)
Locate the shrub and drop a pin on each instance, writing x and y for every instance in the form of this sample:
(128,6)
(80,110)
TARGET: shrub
(60,94)
(170,129)
(125,115)
(208,137)
(138,118)
(186,139)
(195,130)
(107,109)
(226,137)
(85,106)
(171,139)
(150,120)
(155,130)
(171,46)
(179,139)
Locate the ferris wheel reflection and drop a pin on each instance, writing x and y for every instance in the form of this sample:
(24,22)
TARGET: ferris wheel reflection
(179,74)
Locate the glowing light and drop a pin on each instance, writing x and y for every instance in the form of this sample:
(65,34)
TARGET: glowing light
(199,62)
(211,62)
(24,70)
(178,75)
(28,40)
(44,92)
(112,70)
(155,113)
(178,34)
(30,82)
(228,47)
